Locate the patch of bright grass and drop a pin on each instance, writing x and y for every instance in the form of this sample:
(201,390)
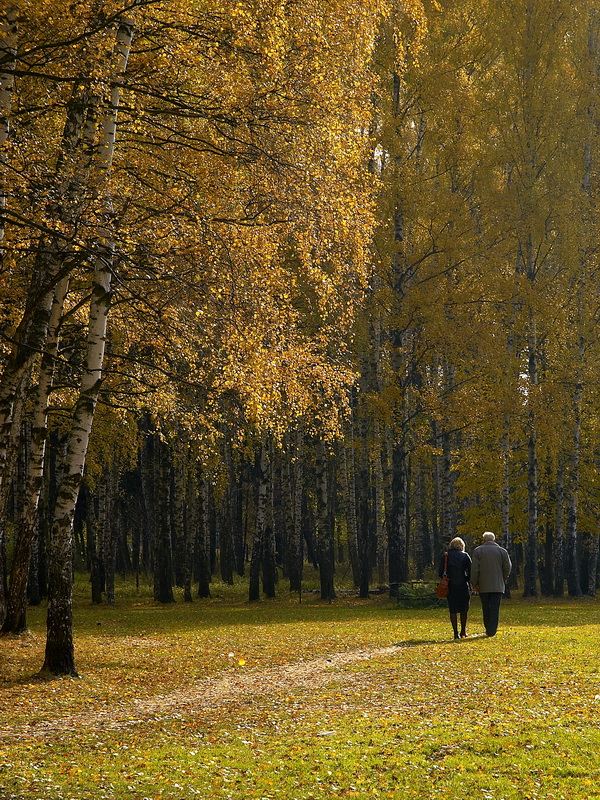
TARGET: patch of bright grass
(516,717)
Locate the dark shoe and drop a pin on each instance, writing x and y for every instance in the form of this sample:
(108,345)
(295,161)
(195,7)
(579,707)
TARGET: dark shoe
(490,634)
(463,634)
(456,638)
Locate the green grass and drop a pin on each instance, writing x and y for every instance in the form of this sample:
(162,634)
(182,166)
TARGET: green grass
(516,717)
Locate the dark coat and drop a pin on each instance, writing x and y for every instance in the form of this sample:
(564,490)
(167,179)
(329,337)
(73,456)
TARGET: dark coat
(459,570)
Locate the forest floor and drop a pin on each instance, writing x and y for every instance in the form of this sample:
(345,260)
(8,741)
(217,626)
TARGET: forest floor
(361,699)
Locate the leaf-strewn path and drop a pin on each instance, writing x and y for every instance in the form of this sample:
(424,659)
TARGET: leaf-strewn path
(212,693)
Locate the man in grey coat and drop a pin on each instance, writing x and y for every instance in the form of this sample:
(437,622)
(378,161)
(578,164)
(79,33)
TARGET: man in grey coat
(491,568)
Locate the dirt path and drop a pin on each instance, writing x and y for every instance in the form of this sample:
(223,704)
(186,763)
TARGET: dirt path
(210,694)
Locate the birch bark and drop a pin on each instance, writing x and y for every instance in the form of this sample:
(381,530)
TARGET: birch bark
(59,657)
(31,334)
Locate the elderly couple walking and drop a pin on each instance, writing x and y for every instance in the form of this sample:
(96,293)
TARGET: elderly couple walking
(486,575)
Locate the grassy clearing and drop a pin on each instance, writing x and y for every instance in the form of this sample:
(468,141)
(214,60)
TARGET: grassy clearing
(514,717)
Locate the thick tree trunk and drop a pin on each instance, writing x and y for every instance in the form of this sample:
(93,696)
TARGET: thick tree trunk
(12,446)
(49,269)
(16,616)
(59,657)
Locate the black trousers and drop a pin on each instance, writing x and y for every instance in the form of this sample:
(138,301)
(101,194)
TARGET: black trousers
(490,604)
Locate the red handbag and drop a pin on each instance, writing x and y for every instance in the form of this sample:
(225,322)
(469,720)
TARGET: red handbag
(441,589)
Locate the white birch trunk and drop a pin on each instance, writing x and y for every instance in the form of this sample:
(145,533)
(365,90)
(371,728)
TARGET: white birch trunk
(59,644)
(32,332)
(15,621)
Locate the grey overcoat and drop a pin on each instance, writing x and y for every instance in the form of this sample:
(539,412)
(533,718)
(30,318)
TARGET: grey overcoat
(491,567)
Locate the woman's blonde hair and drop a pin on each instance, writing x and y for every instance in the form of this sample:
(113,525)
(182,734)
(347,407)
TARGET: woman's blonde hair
(457,544)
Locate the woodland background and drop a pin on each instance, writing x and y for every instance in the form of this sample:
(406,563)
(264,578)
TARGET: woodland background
(322,275)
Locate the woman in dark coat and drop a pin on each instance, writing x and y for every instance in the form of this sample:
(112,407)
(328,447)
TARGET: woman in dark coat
(459,585)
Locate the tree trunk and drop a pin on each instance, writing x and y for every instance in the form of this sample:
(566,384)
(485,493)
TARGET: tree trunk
(572,566)
(16,618)
(178,507)
(350,504)
(296,542)
(237,517)
(226,550)
(364,517)
(203,537)
(96,574)
(436,495)
(424,555)
(559,529)
(107,523)
(287,498)
(380,516)
(594,549)
(59,657)
(325,544)
(262,465)
(269,559)
(49,269)
(530,568)
(505,499)
(12,445)
(190,523)
(398,538)
(163,551)
(148,500)
(8,58)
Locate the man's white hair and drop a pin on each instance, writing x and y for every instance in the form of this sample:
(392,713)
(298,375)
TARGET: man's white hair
(488,536)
